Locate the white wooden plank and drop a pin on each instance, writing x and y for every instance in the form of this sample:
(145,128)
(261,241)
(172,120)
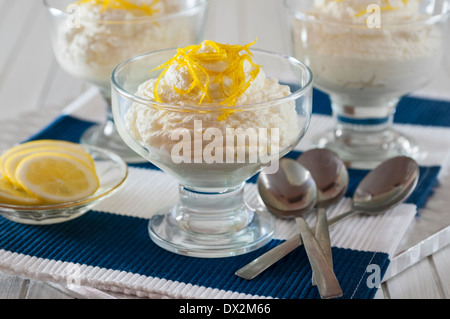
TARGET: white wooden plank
(26,77)
(211,25)
(243,21)
(416,282)
(441,260)
(223,21)
(265,20)
(61,90)
(12,287)
(17,15)
(41,290)
(12,132)
(4,10)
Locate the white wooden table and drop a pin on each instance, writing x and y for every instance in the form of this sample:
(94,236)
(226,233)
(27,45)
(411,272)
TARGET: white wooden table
(35,89)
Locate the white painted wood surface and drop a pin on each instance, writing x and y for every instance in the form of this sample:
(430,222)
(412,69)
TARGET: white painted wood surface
(35,89)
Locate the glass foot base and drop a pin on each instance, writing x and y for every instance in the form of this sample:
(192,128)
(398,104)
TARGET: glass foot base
(107,137)
(167,232)
(367,150)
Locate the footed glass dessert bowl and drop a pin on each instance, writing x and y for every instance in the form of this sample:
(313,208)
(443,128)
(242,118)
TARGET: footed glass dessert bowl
(212,116)
(91,37)
(366,55)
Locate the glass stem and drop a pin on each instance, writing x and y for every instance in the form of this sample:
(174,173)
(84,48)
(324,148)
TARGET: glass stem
(109,128)
(107,98)
(364,125)
(212,213)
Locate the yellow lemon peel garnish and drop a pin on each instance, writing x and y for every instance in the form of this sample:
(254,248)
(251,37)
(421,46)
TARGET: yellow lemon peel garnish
(147,9)
(386,7)
(196,62)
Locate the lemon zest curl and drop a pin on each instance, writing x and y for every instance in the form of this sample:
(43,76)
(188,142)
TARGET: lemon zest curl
(147,9)
(232,80)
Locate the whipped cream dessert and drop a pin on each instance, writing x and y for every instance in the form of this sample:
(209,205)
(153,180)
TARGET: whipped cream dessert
(100,34)
(208,88)
(352,53)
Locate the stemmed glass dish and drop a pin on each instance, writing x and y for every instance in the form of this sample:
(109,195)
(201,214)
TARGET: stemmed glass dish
(211,148)
(91,37)
(447,55)
(366,55)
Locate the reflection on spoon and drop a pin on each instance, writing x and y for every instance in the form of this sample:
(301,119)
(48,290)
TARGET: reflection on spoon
(386,186)
(291,192)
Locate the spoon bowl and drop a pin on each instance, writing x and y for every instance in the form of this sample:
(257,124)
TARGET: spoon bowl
(329,173)
(290,192)
(386,186)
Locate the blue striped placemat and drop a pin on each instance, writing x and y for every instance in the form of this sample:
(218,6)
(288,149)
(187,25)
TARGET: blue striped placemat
(121,244)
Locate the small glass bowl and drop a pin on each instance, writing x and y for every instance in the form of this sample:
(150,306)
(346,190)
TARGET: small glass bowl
(112,172)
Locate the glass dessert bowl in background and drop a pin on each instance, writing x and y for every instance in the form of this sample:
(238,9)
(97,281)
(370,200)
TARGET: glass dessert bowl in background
(91,37)
(366,55)
(447,55)
(212,116)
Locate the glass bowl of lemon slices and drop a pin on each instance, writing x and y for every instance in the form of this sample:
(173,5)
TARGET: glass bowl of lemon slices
(52,181)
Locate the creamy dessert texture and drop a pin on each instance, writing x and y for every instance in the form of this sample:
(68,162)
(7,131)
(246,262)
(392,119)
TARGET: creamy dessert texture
(101,34)
(346,51)
(219,80)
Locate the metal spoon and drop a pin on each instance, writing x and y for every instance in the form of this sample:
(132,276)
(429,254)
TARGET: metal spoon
(291,192)
(331,177)
(386,186)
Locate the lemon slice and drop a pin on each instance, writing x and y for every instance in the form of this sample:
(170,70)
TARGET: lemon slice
(12,161)
(56,178)
(13,196)
(34,144)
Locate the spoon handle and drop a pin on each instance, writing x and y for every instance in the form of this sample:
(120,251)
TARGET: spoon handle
(260,264)
(327,282)
(323,237)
